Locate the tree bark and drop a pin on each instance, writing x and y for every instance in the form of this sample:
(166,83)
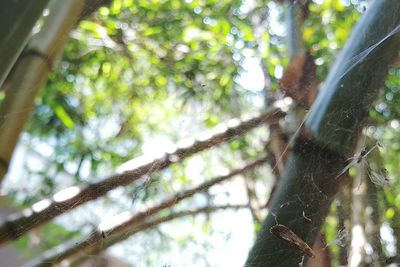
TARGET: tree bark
(310,181)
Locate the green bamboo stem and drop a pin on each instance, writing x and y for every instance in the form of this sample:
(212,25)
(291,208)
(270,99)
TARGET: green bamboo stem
(17,20)
(310,181)
(30,74)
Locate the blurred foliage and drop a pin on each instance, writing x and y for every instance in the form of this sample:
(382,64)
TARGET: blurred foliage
(326,30)
(134,66)
(123,63)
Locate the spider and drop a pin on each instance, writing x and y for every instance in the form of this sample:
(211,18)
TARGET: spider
(377,177)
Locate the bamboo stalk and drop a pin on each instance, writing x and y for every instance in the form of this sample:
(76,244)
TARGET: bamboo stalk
(17,20)
(294,22)
(333,125)
(30,74)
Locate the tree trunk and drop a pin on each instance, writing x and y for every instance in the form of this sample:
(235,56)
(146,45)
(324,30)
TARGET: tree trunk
(310,181)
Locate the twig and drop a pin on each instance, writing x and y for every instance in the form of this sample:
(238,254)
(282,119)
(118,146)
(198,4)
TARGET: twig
(148,225)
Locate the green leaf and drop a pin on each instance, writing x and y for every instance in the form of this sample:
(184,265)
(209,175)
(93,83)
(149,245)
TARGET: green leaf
(64,117)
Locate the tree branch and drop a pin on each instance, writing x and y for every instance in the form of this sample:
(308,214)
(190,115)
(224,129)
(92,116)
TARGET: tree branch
(148,225)
(125,222)
(72,197)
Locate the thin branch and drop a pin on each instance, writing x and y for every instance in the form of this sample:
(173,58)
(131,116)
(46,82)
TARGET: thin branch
(149,225)
(72,197)
(125,222)
(253,203)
